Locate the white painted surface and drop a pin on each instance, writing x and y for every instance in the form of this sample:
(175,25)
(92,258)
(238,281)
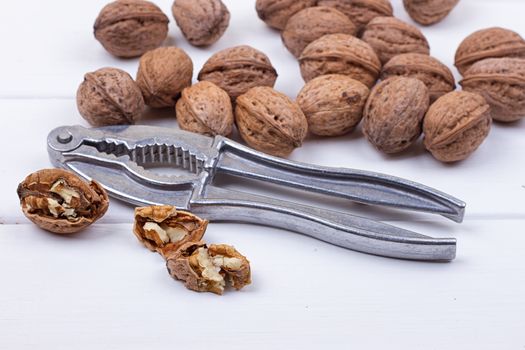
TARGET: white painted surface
(101,290)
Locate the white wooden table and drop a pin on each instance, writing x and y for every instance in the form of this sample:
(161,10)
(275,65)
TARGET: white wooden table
(100,289)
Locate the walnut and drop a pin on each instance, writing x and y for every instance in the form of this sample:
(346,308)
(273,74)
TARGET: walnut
(390,36)
(270,121)
(209,269)
(427,12)
(59,201)
(128,28)
(276,13)
(164,229)
(237,69)
(206,109)
(394,112)
(109,96)
(488,43)
(501,81)
(333,104)
(361,11)
(202,22)
(340,54)
(312,23)
(437,77)
(455,125)
(162,75)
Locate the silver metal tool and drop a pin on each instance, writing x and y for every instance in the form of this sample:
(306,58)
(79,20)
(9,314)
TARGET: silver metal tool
(119,158)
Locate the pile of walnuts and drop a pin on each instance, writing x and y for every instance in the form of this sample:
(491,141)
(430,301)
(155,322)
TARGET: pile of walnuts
(358,61)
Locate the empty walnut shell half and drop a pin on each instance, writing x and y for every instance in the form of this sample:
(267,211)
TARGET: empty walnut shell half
(206,109)
(394,112)
(164,229)
(202,22)
(360,11)
(455,125)
(238,69)
(276,13)
(333,104)
(59,201)
(209,268)
(340,54)
(488,43)
(437,77)
(162,75)
(390,36)
(501,81)
(427,12)
(109,96)
(270,121)
(128,28)
(312,23)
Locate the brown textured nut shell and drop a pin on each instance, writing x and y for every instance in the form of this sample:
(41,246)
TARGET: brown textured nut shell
(129,28)
(34,190)
(179,267)
(238,69)
(437,77)
(162,75)
(488,43)
(340,54)
(361,11)
(501,81)
(394,112)
(270,121)
(109,96)
(390,36)
(312,23)
(276,13)
(206,109)
(455,125)
(427,12)
(333,104)
(237,278)
(202,22)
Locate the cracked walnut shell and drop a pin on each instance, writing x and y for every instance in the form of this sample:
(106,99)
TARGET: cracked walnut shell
(333,104)
(129,28)
(427,12)
(361,11)
(210,268)
(455,125)
(109,96)
(206,109)
(202,22)
(270,121)
(276,13)
(340,54)
(164,229)
(59,201)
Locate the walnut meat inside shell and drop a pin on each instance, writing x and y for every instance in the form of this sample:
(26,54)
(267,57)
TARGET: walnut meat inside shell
(59,201)
(276,13)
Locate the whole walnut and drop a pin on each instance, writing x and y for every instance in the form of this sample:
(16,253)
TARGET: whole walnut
(390,36)
(162,75)
(59,201)
(202,22)
(455,125)
(361,11)
(488,43)
(501,81)
(437,77)
(394,112)
(206,109)
(312,23)
(109,96)
(427,12)
(340,54)
(128,28)
(333,104)
(237,69)
(276,13)
(270,121)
